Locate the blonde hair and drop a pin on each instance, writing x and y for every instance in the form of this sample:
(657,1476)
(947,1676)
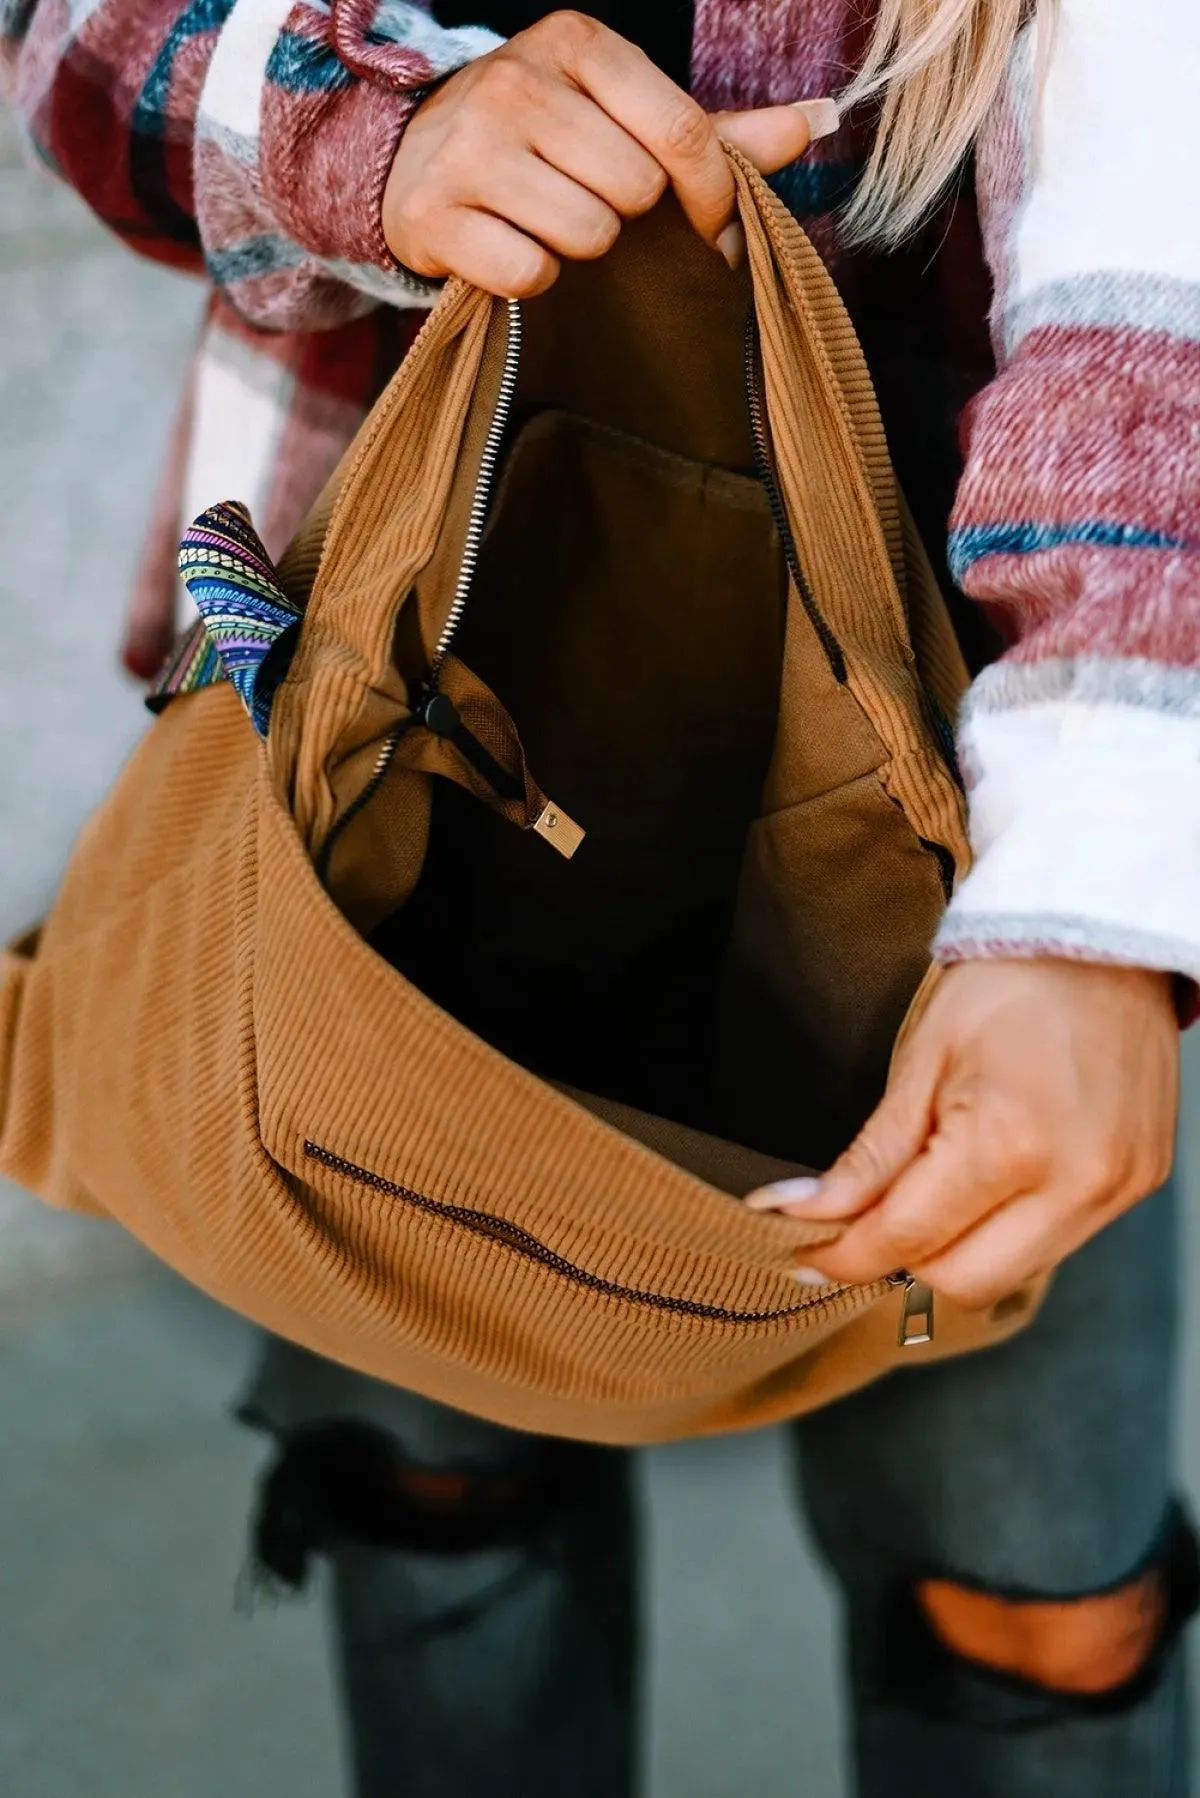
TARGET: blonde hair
(935,67)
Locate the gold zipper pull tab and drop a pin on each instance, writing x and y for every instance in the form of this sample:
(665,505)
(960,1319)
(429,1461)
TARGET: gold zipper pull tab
(562,833)
(916,1314)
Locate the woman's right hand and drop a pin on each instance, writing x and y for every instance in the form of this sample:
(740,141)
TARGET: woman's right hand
(539,150)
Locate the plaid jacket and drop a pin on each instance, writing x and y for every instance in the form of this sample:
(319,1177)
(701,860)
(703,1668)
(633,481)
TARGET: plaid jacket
(249,141)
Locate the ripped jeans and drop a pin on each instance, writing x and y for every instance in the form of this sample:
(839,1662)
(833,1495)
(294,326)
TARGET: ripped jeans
(484,1580)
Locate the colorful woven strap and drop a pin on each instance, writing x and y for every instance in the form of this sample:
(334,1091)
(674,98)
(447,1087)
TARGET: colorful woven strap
(244,613)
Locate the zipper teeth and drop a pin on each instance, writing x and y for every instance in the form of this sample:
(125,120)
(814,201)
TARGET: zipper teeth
(766,474)
(383,762)
(483,490)
(466,571)
(512,1236)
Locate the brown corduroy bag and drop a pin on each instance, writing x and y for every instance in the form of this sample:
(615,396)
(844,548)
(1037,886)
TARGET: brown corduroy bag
(648,521)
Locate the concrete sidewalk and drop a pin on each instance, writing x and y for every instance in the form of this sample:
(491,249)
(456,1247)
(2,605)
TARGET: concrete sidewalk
(124,1670)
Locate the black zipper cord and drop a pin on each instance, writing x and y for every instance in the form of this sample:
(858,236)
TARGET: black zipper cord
(439,714)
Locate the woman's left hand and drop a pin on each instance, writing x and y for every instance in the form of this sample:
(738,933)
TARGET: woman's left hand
(1033,1103)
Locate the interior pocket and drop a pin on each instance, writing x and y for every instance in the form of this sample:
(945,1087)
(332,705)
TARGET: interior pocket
(628,613)
(838,902)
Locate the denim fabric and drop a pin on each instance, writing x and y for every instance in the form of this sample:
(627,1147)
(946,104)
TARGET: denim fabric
(1041,1467)
(507,1671)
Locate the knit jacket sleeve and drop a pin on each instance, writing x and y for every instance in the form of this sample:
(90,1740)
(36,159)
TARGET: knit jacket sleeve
(1078,519)
(249,139)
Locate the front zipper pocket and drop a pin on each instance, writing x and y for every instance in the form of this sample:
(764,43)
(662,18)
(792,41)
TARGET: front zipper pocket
(514,1237)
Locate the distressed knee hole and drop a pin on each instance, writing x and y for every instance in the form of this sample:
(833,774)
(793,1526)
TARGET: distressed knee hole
(1082,1646)
(441,1492)
(345,1484)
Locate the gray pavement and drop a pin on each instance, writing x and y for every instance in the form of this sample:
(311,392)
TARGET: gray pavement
(125,1670)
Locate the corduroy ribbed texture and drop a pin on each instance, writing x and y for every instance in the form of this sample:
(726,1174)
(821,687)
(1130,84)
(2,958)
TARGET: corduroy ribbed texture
(201,1045)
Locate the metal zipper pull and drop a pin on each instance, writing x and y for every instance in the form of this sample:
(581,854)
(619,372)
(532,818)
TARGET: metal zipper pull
(916,1312)
(561,832)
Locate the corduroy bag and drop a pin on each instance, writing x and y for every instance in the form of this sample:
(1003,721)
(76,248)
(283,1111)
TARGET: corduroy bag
(544,855)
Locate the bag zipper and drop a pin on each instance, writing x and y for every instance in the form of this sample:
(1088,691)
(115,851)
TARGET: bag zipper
(481,498)
(432,708)
(916,1316)
(437,712)
(764,464)
(513,1236)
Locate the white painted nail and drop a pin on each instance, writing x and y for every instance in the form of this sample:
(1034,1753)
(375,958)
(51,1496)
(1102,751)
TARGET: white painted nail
(732,244)
(784,1192)
(823,116)
(810,1276)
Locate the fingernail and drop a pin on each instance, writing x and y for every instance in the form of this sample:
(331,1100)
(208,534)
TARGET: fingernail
(823,116)
(784,1192)
(732,244)
(810,1276)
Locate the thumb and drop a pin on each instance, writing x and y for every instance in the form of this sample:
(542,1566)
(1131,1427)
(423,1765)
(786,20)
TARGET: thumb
(773,136)
(890,1141)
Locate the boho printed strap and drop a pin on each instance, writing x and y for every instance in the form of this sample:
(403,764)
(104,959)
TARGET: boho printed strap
(244,614)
